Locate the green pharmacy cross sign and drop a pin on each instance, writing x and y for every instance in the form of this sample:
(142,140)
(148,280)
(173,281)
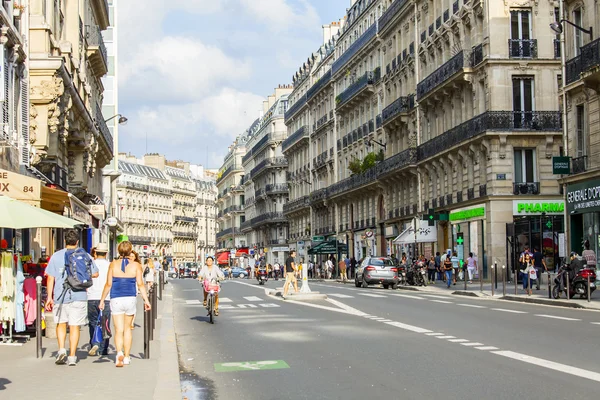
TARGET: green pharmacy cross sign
(549,224)
(460,240)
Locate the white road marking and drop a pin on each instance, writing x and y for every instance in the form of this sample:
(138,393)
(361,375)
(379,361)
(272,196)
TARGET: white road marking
(408,327)
(225,306)
(385,320)
(556,317)
(372,295)
(436,296)
(269,305)
(458,340)
(567,369)
(471,305)
(472,344)
(434,334)
(247,306)
(595,323)
(224,300)
(446,337)
(442,301)
(195,302)
(509,311)
(486,348)
(253,298)
(408,296)
(345,307)
(340,296)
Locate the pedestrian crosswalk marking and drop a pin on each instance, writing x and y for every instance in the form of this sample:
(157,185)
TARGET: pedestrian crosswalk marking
(269,305)
(458,340)
(434,334)
(372,295)
(442,301)
(446,337)
(433,296)
(226,307)
(224,300)
(509,311)
(471,305)
(247,305)
(408,296)
(193,302)
(557,317)
(595,323)
(472,344)
(486,348)
(340,296)
(253,298)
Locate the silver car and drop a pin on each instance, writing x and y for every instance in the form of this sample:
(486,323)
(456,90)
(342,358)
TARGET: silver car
(374,270)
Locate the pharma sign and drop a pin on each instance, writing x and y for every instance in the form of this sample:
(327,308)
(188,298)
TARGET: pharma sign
(538,207)
(462,215)
(584,197)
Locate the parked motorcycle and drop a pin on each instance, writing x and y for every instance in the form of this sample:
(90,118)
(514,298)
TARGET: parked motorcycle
(417,274)
(402,274)
(262,277)
(181,271)
(577,285)
(194,271)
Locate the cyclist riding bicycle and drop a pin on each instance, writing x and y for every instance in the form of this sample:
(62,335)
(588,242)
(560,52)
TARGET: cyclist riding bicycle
(210,272)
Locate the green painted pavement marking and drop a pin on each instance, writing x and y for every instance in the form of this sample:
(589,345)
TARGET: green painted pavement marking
(250,365)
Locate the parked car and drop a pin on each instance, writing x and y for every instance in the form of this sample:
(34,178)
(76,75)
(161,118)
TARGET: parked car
(374,270)
(238,272)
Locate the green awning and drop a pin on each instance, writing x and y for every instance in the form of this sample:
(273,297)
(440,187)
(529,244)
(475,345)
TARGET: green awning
(330,247)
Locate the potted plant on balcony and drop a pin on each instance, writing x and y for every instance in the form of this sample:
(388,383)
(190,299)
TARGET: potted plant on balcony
(18,9)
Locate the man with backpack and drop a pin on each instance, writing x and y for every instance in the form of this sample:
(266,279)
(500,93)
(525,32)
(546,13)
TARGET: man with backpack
(70,272)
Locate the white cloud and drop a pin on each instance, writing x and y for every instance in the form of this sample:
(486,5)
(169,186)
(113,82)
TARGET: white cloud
(280,15)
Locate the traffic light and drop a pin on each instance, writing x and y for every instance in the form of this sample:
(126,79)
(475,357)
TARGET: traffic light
(460,240)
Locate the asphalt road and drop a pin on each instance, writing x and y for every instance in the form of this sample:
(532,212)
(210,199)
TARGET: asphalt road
(378,343)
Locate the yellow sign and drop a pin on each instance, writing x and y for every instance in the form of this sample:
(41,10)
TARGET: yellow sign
(19,187)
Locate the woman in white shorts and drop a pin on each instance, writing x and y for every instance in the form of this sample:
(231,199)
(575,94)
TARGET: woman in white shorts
(123,277)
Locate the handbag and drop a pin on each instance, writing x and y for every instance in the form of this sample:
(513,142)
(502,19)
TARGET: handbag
(97,338)
(533,274)
(106,333)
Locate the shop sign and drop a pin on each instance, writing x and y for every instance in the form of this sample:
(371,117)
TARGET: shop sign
(318,238)
(19,187)
(80,211)
(280,248)
(98,210)
(538,207)
(561,165)
(467,214)
(584,196)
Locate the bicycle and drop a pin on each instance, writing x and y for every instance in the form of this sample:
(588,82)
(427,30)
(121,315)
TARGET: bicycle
(212,288)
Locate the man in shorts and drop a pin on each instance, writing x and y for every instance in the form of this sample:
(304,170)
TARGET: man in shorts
(290,274)
(69,307)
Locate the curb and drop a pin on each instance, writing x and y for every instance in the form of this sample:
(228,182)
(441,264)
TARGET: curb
(548,302)
(168,384)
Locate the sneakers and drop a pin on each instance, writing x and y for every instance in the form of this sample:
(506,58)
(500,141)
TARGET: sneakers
(93,351)
(126,360)
(61,357)
(72,361)
(119,360)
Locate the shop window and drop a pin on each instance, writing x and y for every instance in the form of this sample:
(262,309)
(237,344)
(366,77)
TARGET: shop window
(523,101)
(577,34)
(524,165)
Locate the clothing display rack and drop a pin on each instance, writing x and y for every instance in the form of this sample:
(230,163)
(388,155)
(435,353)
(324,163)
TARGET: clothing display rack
(8,299)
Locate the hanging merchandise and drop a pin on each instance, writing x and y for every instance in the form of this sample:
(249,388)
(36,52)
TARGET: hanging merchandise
(30,294)
(20,299)
(7,288)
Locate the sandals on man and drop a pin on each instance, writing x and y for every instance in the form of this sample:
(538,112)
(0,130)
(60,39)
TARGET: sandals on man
(216,313)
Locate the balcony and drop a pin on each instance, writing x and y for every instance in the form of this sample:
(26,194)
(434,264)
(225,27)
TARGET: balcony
(259,193)
(579,164)
(400,106)
(299,203)
(390,13)
(184,235)
(225,232)
(476,55)
(268,218)
(96,50)
(354,89)
(277,136)
(297,106)
(103,129)
(353,49)
(441,75)
(231,209)
(588,58)
(274,162)
(277,188)
(294,138)
(320,160)
(180,218)
(229,170)
(318,195)
(397,162)
(522,48)
(491,121)
(319,84)
(526,188)
(143,240)
(321,121)
(353,182)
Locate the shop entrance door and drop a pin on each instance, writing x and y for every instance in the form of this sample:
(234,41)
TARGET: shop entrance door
(541,232)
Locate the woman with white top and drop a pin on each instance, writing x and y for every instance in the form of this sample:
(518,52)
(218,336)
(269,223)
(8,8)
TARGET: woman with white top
(210,272)
(471,266)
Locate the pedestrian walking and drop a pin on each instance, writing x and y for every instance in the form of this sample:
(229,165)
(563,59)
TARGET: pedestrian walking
(471,267)
(448,270)
(431,270)
(539,263)
(290,274)
(311,268)
(94,294)
(455,267)
(352,267)
(589,255)
(69,270)
(328,268)
(149,273)
(438,266)
(123,277)
(277,268)
(342,267)
(529,274)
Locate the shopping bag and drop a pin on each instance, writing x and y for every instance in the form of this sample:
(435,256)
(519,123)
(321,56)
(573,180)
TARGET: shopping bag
(97,338)
(533,274)
(106,333)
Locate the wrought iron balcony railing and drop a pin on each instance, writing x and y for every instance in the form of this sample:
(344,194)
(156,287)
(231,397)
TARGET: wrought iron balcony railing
(297,106)
(588,58)
(318,85)
(140,239)
(318,195)
(188,235)
(301,202)
(354,89)
(180,218)
(526,188)
(441,75)
(224,232)
(259,193)
(491,120)
(103,128)
(389,14)
(401,105)
(522,48)
(294,138)
(477,55)
(276,188)
(94,38)
(273,162)
(270,217)
(397,162)
(230,169)
(579,164)
(354,48)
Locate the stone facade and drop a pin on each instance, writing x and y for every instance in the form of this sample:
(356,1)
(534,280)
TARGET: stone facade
(206,212)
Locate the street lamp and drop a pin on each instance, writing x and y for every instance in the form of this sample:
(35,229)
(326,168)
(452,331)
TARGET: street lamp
(558,28)
(122,119)
(370,142)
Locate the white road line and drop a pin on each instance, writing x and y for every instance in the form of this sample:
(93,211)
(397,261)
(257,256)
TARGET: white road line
(556,317)
(509,311)
(373,317)
(340,296)
(253,298)
(372,295)
(224,300)
(385,320)
(434,334)
(225,306)
(408,296)
(487,348)
(595,323)
(269,305)
(567,369)
(442,301)
(458,340)
(195,302)
(345,307)
(471,305)
(408,327)
(436,296)
(446,337)
(473,344)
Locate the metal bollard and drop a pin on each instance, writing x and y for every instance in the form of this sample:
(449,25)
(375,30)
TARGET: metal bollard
(150,315)
(503,280)
(480,271)
(588,289)
(516,282)
(528,283)
(38,317)
(147,334)
(568,288)
(494,270)
(496,274)
(549,286)
(161,284)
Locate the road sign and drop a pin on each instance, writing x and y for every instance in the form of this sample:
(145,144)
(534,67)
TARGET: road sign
(318,238)
(250,366)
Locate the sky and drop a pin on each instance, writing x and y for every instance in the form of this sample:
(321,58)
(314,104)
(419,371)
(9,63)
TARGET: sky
(193,73)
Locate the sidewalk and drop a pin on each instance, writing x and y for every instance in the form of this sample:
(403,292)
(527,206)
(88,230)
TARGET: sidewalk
(22,375)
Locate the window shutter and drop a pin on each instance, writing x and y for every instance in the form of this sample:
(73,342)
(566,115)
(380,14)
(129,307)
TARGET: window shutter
(5,106)
(25,145)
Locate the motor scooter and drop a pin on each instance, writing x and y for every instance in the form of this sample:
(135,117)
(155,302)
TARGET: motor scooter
(262,277)
(578,285)
(181,271)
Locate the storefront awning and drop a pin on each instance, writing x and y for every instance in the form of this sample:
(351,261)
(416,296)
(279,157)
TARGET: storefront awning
(223,258)
(242,252)
(426,234)
(330,247)
(54,200)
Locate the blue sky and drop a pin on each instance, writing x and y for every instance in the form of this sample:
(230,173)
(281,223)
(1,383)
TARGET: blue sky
(193,73)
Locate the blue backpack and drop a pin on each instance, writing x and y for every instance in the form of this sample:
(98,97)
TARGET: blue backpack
(78,268)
